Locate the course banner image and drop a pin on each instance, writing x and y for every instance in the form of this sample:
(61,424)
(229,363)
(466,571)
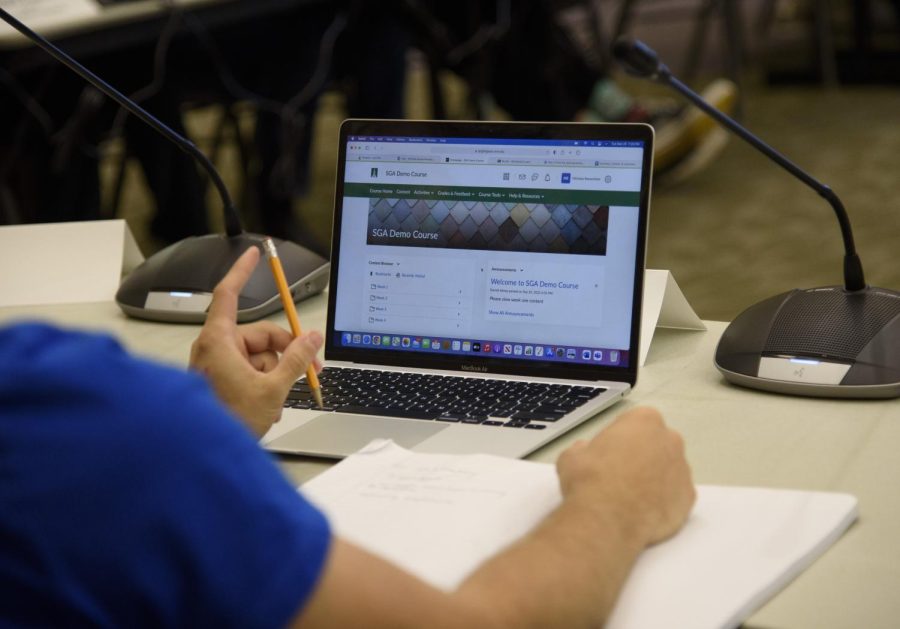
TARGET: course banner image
(500,226)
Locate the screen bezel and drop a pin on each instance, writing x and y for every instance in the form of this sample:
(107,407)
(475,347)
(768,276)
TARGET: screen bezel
(486,363)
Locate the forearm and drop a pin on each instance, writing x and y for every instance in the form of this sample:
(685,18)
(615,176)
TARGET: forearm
(568,572)
(626,488)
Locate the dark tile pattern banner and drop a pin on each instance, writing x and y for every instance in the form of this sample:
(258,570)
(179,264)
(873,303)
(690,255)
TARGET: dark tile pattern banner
(493,226)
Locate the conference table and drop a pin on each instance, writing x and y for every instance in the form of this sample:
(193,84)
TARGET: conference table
(733,436)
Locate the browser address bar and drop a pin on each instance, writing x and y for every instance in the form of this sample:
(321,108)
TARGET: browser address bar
(489,150)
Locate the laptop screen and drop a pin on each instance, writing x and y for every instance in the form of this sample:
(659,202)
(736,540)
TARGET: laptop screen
(490,246)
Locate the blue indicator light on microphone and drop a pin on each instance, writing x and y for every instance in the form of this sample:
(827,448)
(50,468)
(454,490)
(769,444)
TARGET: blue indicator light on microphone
(805,361)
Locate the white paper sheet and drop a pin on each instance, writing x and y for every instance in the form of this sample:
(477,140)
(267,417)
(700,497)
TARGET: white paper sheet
(58,263)
(440,516)
(397,492)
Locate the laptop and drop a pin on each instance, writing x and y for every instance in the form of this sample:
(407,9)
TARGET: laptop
(485,288)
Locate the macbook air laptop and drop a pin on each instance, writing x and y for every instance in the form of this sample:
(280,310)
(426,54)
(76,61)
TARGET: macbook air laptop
(485,289)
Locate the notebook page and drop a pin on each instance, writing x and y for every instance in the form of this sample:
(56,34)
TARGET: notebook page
(440,516)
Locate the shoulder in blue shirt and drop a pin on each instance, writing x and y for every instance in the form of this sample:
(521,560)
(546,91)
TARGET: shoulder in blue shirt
(129,496)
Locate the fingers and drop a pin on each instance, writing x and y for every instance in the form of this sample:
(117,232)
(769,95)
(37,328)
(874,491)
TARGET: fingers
(264,336)
(297,357)
(264,361)
(647,414)
(571,453)
(264,340)
(225,296)
(576,447)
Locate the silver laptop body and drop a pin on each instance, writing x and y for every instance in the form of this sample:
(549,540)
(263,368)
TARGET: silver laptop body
(480,251)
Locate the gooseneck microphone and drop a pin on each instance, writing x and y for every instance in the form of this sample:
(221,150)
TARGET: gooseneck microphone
(176,283)
(831,341)
(640,60)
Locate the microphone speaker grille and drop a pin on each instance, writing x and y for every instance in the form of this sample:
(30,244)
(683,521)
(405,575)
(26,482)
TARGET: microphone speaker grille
(830,322)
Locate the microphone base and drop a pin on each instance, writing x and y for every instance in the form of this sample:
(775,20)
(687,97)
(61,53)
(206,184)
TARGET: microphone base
(175,285)
(819,342)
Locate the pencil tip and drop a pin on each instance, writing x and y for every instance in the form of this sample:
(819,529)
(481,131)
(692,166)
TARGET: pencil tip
(317,394)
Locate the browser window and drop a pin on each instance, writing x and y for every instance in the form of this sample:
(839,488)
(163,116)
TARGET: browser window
(513,248)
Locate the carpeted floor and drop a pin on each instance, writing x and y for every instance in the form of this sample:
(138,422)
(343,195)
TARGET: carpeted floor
(744,229)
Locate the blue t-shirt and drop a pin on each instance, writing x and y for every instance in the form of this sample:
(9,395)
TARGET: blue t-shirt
(130,497)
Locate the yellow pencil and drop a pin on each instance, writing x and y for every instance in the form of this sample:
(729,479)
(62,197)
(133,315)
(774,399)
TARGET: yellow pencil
(288,301)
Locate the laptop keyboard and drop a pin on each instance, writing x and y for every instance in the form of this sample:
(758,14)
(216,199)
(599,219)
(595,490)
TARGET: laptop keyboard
(488,402)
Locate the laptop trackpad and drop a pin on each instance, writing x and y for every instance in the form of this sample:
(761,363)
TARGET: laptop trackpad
(340,434)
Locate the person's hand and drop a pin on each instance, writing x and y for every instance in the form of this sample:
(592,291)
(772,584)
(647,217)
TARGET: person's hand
(636,468)
(250,367)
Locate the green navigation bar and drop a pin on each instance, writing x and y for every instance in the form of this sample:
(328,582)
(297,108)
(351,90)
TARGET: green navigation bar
(492,195)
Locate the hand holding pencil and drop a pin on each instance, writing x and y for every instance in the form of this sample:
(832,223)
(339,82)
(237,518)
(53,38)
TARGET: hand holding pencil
(251,367)
(290,311)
